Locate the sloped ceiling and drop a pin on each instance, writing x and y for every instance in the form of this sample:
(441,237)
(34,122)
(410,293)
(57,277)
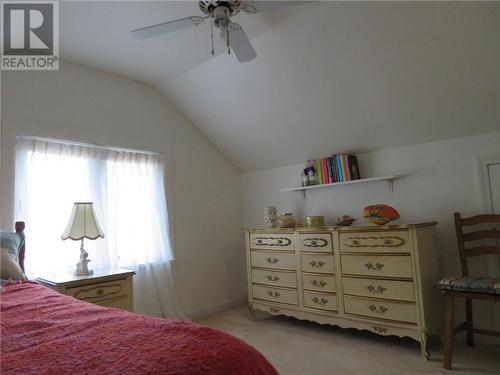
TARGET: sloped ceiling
(329,76)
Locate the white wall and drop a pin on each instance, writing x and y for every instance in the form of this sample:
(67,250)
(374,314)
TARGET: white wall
(203,187)
(442,177)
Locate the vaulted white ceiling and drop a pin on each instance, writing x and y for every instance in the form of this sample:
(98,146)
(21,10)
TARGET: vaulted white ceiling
(329,76)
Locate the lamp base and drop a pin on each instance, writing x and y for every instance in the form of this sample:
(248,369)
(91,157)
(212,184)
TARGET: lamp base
(82,268)
(83,273)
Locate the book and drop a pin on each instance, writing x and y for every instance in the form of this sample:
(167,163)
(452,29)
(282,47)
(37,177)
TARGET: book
(330,169)
(342,168)
(339,168)
(325,171)
(345,168)
(334,169)
(319,175)
(354,167)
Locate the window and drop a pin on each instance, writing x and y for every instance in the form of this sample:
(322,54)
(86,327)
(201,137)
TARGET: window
(129,198)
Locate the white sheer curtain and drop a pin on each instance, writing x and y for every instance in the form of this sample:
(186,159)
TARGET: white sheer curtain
(127,188)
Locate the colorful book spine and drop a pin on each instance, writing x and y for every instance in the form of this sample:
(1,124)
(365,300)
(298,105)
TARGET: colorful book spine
(335,175)
(334,168)
(341,162)
(329,178)
(319,175)
(339,168)
(345,166)
(329,165)
(324,170)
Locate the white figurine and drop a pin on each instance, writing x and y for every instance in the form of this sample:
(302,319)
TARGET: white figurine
(82,268)
(271,216)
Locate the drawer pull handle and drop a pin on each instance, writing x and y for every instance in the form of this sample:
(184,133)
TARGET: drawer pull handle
(321,301)
(379,289)
(372,241)
(380,329)
(378,310)
(315,242)
(272,241)
(317,283)
(319,264)
(274,310)
(378,266)
(272,260)
(272,278)
(274,294)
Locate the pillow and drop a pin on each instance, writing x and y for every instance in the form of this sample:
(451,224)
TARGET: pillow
(12,242)
(9,262)
(10,268)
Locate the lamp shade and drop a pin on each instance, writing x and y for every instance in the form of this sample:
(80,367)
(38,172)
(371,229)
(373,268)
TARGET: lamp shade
(83,223)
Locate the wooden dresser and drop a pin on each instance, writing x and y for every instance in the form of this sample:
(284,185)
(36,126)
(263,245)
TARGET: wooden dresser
(106,287)
(376,278)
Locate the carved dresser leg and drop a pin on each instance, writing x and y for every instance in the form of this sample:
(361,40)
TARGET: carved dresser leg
(252,312)
(424,345)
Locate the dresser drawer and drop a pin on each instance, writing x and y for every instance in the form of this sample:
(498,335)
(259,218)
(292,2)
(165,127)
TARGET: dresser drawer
(268,277)
(315,242)
(377,265)
(317,263)
(397,311)
(321,301)
(387,289)
(101,291)
(277,260)
(380,242)
(272,241)
(281,295)
(122,302)
(319,283)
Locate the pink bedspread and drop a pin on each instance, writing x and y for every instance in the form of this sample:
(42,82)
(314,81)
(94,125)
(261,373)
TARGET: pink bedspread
(44,332)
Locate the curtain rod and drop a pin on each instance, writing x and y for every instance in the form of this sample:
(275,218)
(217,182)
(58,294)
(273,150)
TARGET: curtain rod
(90,145)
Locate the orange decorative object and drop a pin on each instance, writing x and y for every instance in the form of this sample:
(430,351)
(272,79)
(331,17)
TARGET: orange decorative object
(380,214)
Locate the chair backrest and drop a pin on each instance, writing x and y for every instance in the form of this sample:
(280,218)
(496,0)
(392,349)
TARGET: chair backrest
(492,233)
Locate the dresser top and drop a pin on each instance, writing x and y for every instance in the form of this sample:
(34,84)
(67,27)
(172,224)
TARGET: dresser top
(345,229)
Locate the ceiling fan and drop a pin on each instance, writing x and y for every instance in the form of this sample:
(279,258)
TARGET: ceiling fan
(220,12)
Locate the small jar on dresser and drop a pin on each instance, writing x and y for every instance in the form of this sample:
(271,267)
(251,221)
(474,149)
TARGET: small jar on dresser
(376,278)
(109,287)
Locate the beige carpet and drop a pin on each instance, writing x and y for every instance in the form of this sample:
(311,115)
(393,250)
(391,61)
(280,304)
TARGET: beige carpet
(300,347)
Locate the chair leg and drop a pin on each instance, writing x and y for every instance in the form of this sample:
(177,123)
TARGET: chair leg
(448,332)
(470,324)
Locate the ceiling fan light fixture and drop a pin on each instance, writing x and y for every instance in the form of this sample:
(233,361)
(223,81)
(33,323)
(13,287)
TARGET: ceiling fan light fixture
(219,12)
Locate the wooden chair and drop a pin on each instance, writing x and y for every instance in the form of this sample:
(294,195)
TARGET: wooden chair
(467,287)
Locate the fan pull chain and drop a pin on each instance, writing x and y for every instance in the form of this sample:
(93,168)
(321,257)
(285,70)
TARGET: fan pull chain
(227,38)
(212,34)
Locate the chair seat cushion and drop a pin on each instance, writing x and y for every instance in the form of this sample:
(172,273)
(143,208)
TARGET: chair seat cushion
(489,285)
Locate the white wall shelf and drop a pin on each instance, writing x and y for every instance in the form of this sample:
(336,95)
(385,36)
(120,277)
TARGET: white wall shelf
(388,179)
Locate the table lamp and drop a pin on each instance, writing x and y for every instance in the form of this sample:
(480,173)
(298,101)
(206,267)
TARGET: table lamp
(83,224)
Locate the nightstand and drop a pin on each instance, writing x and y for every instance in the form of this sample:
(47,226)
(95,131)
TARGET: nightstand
(109,287)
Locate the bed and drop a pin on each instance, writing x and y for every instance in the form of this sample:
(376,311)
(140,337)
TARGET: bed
(44,332)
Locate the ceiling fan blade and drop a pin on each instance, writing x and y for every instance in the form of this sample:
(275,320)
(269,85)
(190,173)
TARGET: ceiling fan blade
(166,27)
(251,6)
(240,44)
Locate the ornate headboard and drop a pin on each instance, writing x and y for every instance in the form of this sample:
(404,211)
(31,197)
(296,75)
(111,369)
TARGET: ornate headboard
(20,230)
